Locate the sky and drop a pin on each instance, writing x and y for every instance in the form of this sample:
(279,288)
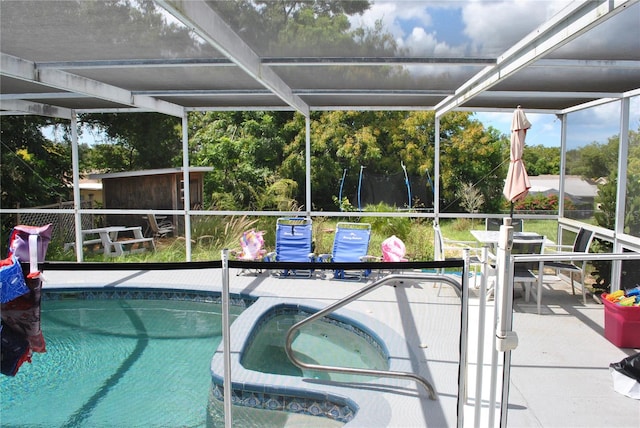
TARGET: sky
(544,131)
(480,28)
(596,124)
(87,135)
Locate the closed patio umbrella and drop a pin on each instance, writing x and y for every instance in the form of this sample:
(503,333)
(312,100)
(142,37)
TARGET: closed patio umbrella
(516,187)
(517,184)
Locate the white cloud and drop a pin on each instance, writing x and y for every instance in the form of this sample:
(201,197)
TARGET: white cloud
(492,26)
(385,12)
(495,26)
(421,43)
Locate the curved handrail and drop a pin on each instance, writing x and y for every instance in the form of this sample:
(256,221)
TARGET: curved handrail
(348,299)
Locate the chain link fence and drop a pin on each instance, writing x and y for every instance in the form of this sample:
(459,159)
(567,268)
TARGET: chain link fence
(63,223)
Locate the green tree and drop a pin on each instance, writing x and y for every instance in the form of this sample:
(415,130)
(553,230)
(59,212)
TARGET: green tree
(594,160)
(244,148)
(540,160)
(471,154)
(35,171)
(106,157)
(605,215)
(144,140)
(383,141)
(287,27)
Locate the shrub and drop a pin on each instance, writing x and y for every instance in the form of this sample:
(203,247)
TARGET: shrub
(539,203)
(387,226)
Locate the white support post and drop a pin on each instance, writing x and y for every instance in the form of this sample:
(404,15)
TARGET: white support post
(563,161)
(75,161)
(226,340)
(307,158)
(186,186)
(463,385)
(481,333)
(506,339)
(621,191)
(436,170)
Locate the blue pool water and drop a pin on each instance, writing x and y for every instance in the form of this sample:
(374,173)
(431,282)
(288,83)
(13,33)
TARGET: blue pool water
(117,363)
(319,342)
(146,363)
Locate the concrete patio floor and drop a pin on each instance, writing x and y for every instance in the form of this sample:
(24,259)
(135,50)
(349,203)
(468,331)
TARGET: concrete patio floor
(560,369)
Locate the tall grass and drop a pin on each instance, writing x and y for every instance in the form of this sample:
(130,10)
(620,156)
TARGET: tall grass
(212,234)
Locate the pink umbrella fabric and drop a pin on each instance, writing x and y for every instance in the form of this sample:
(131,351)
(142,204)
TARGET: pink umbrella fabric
(517,184)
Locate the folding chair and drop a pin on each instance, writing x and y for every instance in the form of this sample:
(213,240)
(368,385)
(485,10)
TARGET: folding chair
(159,229)
(527,273)
(350,244)
(294,243)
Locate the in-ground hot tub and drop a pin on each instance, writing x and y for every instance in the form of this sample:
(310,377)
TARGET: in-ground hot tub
(264,377)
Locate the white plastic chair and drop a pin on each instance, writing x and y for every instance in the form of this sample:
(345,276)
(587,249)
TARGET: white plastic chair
(159,229)
(447,248)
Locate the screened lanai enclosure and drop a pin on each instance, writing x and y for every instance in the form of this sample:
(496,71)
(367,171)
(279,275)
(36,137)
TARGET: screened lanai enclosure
(573,65)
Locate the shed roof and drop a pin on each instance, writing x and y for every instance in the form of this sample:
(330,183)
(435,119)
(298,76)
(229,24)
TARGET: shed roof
(146,172)
(546,55)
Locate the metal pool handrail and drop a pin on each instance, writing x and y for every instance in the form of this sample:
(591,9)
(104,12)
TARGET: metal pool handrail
(348,299)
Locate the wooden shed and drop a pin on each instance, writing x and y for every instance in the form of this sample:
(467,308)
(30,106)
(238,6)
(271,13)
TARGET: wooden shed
(158,189)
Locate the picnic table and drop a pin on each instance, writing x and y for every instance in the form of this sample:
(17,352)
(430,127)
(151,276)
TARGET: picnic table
(116,240)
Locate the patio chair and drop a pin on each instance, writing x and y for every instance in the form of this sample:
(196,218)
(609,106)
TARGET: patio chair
(527,273)
(495,223)
(251,248)
(448,248)
(581,244)
(159,228)
(350,244)
(294,243)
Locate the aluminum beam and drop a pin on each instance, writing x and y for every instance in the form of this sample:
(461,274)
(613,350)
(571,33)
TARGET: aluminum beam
(572,22)
(212,28)
(19,68)
(27,107)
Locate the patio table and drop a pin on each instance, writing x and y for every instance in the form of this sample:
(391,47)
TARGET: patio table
(491,237)
(110,239)
(489,241)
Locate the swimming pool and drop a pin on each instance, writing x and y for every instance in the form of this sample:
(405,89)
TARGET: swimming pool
(117,362)
(142,358)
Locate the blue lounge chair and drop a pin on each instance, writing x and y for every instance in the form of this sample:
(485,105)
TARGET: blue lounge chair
(294,243)
(350,244)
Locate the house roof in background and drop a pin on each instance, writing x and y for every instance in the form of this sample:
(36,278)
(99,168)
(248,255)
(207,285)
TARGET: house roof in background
(548,56)
(574,185)
(89,184)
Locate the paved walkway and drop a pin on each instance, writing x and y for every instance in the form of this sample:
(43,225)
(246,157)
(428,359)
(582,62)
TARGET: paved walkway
(559,375)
